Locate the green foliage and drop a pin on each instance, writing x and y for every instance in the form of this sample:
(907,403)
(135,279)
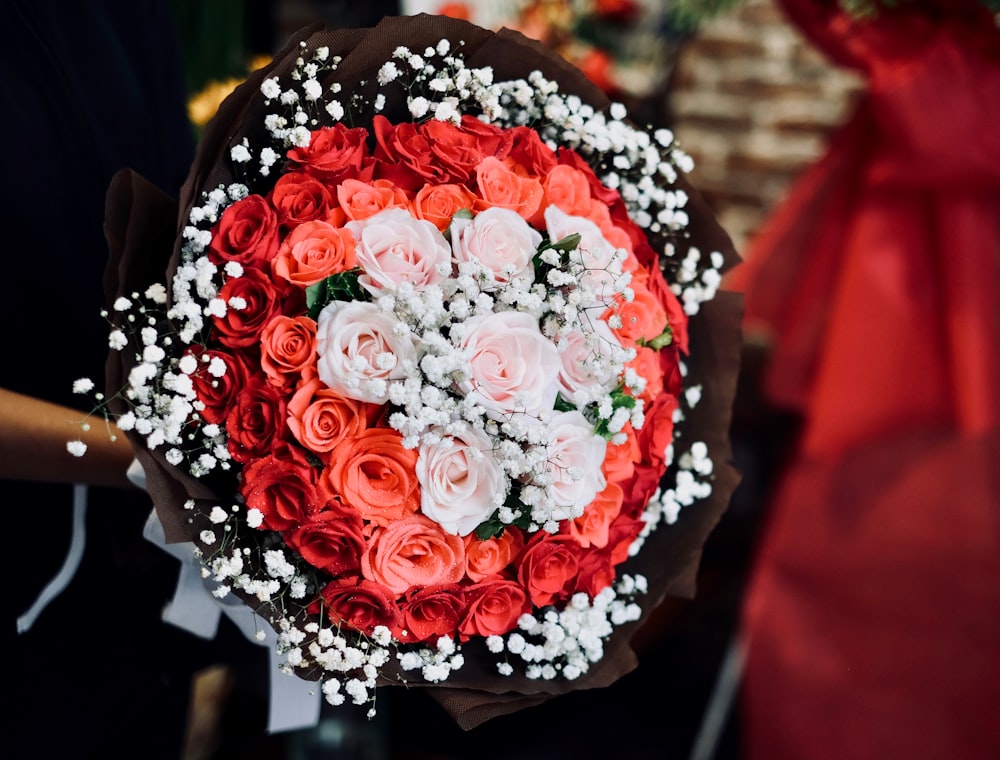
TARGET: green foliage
(342,286)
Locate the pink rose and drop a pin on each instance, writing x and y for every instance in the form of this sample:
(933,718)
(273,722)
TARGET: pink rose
(359,351)
(393,248)
(585,361)
(599,258)
(498,239)
(574,465)
(514,368)
(413,553)
(461,481)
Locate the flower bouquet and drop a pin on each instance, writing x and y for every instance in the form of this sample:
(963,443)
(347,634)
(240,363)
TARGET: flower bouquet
(430,365)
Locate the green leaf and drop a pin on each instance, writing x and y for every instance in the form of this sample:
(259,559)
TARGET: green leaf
(343,286)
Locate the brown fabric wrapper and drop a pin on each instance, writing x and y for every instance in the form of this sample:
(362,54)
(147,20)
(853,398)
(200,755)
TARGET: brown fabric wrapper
(143,229)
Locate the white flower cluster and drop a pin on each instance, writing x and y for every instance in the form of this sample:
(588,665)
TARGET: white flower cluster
(566,642)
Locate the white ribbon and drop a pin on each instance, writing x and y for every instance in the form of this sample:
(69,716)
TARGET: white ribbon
(294,702)
(71,563)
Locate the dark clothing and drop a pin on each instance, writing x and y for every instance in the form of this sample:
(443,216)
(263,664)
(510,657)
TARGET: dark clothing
(87,88)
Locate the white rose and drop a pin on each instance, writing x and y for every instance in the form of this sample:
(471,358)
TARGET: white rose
(576,454)
(514,368)
(393,247)
(500,240)
(461,481)
(595,254)
(359,352)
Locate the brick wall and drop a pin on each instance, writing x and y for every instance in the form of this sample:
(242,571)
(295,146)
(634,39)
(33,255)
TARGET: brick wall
(753,102)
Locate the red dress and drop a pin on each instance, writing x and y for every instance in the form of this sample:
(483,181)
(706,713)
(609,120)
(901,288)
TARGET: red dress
(872,618)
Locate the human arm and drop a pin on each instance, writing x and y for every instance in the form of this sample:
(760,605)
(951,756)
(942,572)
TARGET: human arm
(33,438)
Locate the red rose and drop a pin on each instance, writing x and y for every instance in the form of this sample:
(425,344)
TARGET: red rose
(360,604)
(547,566)
(284,488)
(494,605)
(218,392)
(247,232)
(460,149)
(334,153)
(242,327)
(256,420)
(330,539)
(431,612)
(298,197)
(528,151)
(401,152)
(598,568)
(655,436)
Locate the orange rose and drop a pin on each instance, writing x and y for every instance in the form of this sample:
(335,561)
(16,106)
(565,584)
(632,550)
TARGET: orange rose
(492,556)
(312,252)
(568,189)
(591,528)
(413,553)
(499,185)
(437,204)
(373,473)
(648,364)
(320,418)
(643,318)
(287,346)
(620,458)
(360,200)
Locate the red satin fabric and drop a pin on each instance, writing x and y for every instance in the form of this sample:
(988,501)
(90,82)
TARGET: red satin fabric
(872,618)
